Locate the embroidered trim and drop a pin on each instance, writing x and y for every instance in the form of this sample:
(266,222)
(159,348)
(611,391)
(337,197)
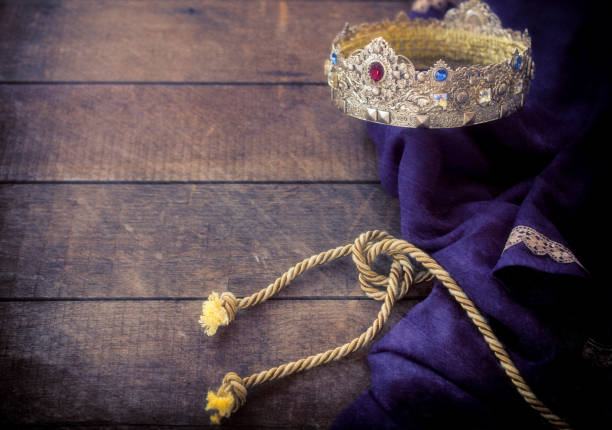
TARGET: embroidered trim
(540,244)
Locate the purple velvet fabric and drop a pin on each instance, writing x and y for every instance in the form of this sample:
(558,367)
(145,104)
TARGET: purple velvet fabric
(461,192)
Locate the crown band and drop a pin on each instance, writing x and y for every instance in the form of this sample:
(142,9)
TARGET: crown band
(462,70)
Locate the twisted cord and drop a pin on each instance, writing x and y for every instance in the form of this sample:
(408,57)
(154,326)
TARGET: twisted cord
(291,274)
(393,294)
(404,271)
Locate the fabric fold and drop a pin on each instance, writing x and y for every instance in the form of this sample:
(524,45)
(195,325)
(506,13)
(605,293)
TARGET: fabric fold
(462,193)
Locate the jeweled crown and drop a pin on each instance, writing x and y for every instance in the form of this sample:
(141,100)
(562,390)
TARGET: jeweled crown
(461,70)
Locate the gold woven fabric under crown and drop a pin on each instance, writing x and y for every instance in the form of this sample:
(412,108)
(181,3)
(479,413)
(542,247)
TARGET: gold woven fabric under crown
(465,69)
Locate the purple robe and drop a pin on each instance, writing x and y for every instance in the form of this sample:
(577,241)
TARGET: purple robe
(462,193)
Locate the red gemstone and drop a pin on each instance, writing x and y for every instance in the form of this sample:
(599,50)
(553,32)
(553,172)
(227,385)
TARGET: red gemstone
(376,71)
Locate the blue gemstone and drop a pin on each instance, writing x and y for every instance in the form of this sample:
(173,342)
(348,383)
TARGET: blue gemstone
(519,61)
(334,58)
(441,75)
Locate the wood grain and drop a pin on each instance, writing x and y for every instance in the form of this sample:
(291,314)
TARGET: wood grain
(185,40)
(179,133)
(101,277)
(180,240)
(148,363)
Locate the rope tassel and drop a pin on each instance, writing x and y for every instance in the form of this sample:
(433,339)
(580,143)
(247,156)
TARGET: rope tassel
(409,265)
(218,311)
(228,398)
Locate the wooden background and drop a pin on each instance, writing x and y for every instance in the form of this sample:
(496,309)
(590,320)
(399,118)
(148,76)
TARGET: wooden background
(152,152)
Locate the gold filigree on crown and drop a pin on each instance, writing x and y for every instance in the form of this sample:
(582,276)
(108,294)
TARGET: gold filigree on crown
(462,70)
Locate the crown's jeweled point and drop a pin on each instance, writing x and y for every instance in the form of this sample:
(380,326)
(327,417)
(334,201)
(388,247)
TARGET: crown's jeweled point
(377,71)
(441,75)
(518,62)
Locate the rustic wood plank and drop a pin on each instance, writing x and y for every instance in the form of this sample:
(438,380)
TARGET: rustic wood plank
(186,40)
(179,133)
(173,240)
(75,363)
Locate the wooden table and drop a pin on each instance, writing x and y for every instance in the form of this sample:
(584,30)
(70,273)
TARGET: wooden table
(152,152)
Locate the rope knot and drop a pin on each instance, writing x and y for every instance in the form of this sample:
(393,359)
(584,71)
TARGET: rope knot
(230,396)
(384,268)
(218,311)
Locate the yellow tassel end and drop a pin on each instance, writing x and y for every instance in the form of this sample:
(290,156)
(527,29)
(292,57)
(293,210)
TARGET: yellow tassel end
(213,314)
(222,402)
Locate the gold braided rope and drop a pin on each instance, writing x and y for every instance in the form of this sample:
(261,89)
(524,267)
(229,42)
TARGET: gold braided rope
(221,310)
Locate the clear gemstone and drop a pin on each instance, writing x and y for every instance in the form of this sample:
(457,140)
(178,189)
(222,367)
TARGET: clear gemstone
(377,71)
(440,75)
(440,99)
(485,96)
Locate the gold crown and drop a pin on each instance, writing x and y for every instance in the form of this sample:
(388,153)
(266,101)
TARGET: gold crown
(461,70)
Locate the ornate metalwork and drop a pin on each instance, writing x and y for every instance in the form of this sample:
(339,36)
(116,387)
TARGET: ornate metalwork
(484,74)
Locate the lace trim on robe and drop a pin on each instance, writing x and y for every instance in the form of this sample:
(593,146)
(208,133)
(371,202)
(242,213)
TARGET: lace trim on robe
(539,244)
